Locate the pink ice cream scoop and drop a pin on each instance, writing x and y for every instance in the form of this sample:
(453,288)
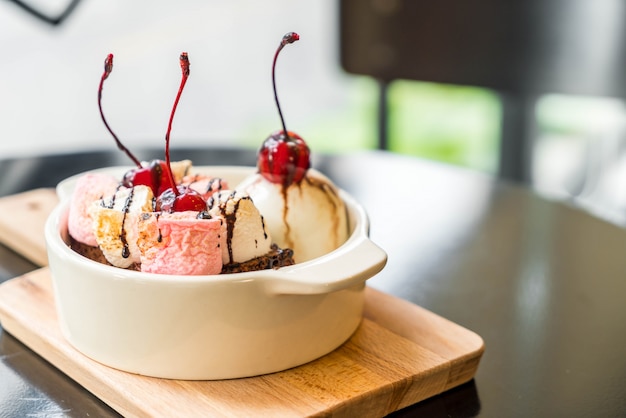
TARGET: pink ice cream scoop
(179,243)
(89,189)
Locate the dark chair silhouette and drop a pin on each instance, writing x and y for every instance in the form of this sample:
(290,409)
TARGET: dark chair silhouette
(520,49)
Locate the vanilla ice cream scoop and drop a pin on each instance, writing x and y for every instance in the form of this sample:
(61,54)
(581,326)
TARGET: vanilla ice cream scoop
(309,217)
(244,235)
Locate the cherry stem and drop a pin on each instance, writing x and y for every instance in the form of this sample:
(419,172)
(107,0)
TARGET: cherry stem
(289,38)
(108,68)
(184,66)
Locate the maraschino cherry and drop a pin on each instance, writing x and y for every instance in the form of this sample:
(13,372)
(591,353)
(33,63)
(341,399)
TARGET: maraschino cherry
(155,174)
(178,198)
(284,156)
(158,174)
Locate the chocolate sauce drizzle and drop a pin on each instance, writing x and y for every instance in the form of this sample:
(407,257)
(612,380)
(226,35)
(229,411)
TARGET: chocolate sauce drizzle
(213,182)
(230,225)
(111,203)
(122,236)
(231,219)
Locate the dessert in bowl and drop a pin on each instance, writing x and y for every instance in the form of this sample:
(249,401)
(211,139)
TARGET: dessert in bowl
(172,288)
(211,327)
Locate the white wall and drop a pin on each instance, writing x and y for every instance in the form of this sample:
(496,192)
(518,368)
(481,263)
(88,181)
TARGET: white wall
(49,75)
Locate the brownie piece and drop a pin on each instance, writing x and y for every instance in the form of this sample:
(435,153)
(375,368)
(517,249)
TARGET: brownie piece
(276,258)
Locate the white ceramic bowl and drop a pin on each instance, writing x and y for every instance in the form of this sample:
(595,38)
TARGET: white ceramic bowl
(210,327)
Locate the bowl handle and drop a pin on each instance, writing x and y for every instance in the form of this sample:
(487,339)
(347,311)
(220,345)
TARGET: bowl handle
(352,263)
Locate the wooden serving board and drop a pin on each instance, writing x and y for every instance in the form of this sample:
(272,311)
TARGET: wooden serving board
(22,222)
(400,354)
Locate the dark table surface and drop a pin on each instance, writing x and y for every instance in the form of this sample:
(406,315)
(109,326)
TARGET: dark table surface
(542,282)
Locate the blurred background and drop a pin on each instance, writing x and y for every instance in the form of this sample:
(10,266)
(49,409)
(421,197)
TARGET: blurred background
(50,74)
(51,66)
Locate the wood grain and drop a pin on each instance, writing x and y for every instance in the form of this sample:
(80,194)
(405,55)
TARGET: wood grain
(400,355)
(23,218)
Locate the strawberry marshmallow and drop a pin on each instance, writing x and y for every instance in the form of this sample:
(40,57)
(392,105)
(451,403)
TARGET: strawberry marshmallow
(179,243)
(205,185)
(89,188)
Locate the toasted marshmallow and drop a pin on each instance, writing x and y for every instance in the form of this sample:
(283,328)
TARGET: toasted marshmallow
(244,235)
(115,224)
(180,169)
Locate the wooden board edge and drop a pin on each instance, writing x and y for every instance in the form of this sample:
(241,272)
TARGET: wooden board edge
(464,354)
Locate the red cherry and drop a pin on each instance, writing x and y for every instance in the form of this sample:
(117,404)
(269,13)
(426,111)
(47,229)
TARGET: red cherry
(283,159)
(154,176)
(158,175)
(184,199)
